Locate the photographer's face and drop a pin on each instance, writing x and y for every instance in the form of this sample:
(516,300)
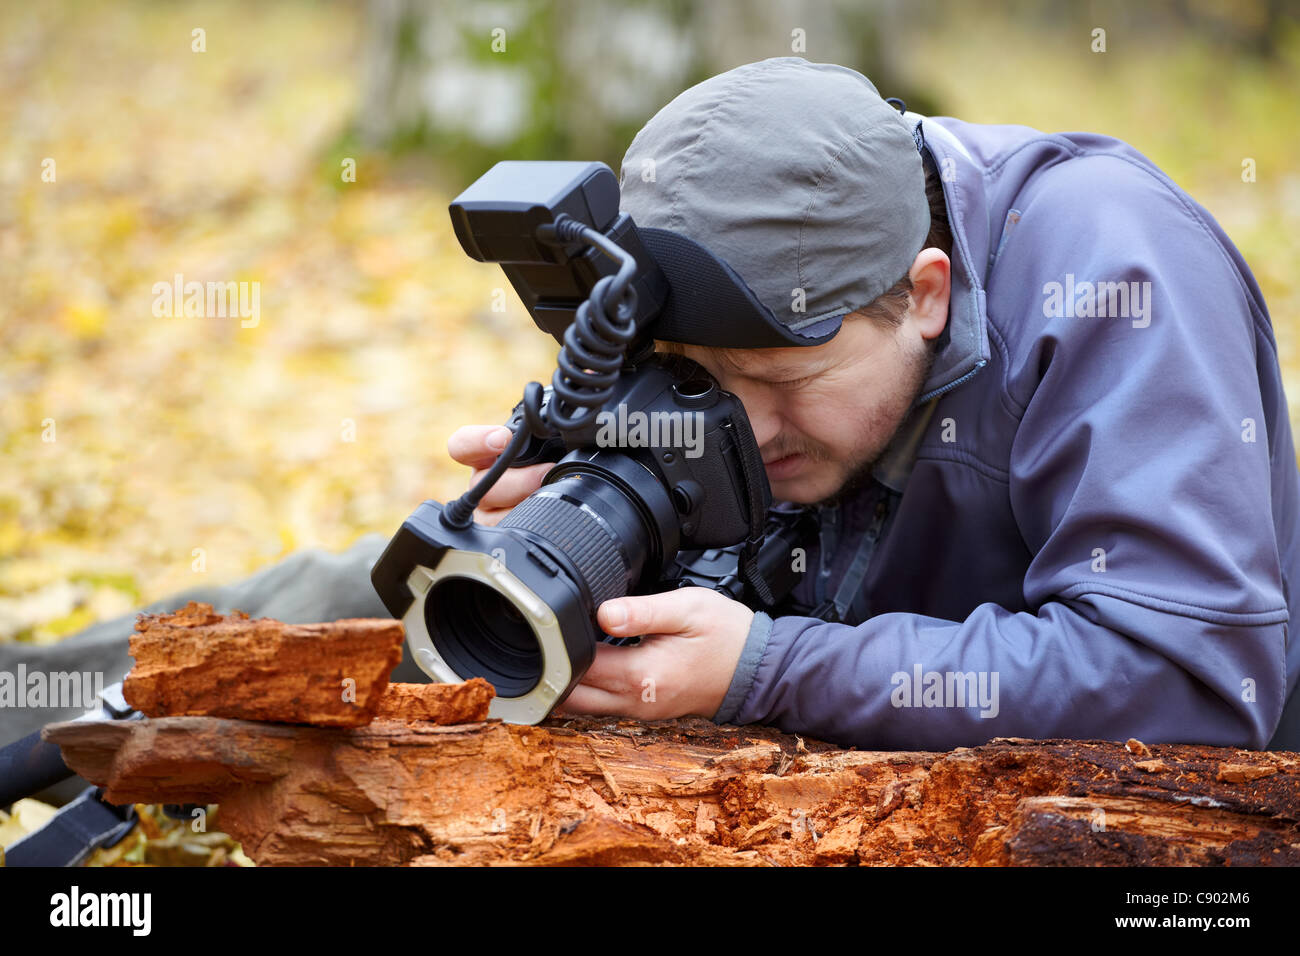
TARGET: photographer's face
(823,415)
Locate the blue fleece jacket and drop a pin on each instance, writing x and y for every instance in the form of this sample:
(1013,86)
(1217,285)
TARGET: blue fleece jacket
(1098,528)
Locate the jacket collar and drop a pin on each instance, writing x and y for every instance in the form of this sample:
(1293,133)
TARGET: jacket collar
(966,349)
(894,467)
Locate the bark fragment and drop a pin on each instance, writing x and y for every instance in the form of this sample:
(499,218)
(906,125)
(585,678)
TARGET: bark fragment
(195,662)
(464,703)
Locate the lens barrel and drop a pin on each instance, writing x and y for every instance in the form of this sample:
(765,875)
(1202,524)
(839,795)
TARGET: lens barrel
(594,524)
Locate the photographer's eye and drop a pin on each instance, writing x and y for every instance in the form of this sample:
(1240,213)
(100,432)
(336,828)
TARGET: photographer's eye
(794,382)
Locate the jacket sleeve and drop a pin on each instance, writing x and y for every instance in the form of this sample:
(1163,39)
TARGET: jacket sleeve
(1140,482)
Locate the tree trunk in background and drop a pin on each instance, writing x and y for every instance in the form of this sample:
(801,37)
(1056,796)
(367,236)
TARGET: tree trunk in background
(575,79)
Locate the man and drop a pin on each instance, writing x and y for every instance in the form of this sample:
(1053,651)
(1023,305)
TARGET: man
(1037,406)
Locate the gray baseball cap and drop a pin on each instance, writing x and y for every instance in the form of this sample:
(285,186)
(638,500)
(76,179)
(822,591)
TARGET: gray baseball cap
(777,197)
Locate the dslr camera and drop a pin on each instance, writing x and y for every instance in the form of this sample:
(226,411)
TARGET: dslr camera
(657,482)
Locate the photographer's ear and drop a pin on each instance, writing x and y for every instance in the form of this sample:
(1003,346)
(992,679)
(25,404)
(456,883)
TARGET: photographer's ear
(931,286)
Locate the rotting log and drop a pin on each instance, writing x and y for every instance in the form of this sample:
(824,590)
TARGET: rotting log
(613,791)
(431,781)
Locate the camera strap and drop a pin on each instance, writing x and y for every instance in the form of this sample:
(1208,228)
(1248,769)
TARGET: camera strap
(856,574)
(759,498)
(74,832)
(835,609)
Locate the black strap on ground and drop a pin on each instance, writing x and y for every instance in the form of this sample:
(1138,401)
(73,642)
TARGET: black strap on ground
(28,766)
(76,831)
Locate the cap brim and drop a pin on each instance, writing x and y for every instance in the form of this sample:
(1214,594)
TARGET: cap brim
(710,304)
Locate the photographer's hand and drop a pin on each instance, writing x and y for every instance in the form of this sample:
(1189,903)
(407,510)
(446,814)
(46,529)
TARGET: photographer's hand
(469,445)
(683,667)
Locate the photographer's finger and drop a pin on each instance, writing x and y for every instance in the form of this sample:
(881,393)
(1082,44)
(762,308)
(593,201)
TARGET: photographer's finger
(513,486)
(594,701)
(616,669)
(672,612)
(477,445)
(490,518)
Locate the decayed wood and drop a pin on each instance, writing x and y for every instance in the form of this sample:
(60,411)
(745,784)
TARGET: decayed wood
(198,663)
(606,791)
(464,703)
(431,781)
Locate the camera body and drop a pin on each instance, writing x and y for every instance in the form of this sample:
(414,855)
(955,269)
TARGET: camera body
(670,416)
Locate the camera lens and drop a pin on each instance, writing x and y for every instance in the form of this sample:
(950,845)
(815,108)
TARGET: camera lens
(480,633)
(600,529)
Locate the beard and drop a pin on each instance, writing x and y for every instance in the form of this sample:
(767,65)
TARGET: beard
(860,474)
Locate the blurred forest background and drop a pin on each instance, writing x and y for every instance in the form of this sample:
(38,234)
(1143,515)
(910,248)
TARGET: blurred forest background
(142,452)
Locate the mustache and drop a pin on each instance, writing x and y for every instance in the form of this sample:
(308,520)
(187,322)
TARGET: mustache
(776,450)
